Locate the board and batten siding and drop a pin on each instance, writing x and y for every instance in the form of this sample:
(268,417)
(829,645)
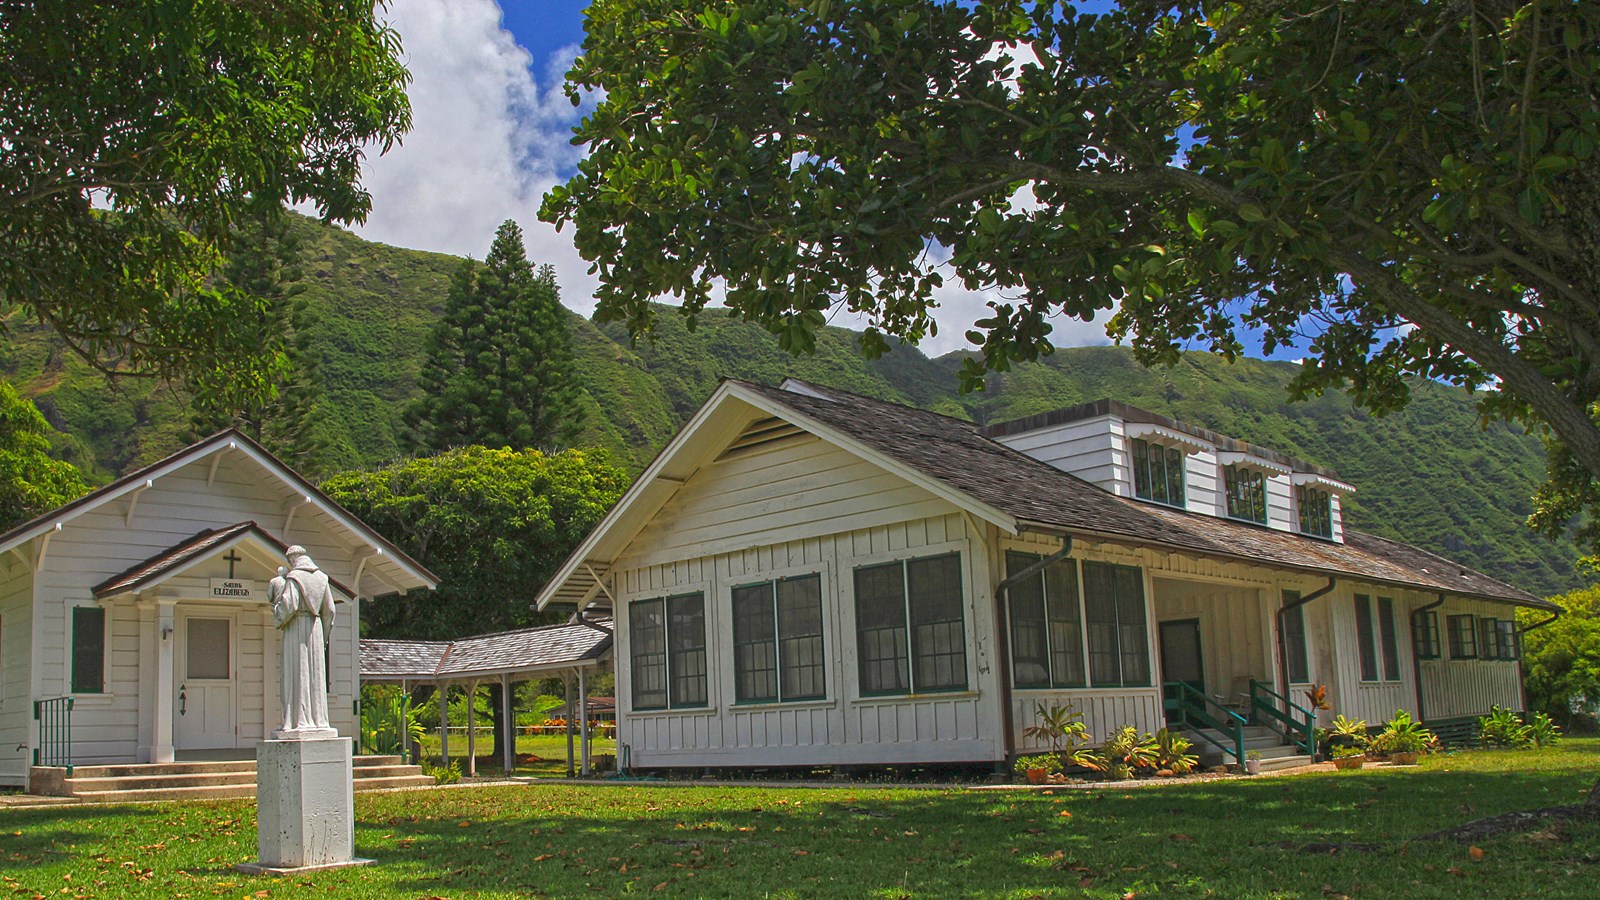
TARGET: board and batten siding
(16,633)
(844,728)
(1456,688)
(100,543)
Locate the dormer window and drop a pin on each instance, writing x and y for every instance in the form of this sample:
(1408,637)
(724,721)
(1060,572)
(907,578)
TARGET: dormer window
(1247,493)
(1316,511)
(1158,472)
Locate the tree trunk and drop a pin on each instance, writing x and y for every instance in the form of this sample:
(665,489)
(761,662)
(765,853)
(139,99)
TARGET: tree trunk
(497,715)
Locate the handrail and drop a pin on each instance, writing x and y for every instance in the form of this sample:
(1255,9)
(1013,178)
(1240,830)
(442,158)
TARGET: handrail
(55,732)
(1191,709)
(1299,731)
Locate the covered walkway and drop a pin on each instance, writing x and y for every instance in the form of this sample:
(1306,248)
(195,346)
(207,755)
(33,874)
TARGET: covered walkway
(571,651)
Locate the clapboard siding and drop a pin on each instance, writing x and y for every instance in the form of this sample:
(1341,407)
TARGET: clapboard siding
(104,541)
(1089,449)
(16,628)
(800,489)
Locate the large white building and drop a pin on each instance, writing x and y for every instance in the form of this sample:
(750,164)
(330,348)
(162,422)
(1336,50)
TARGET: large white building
(144,604)
(809,577)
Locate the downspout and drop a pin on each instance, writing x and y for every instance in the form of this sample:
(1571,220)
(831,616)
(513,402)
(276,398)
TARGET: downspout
(1416,664)
(1283,656)
(1003,635)
(1520,680)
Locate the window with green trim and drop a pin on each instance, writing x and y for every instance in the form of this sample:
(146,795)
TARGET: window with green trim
(1046,624)
(1388,641)
(88,650)
(777,641)
(910,630)
(1366,638)
(1463,637)
(1425,634)
(1119,642)
(1488,639)
(1158,473)
(1510,642)
(1246,490)
(1316,511)
(667,652)
(1293,638)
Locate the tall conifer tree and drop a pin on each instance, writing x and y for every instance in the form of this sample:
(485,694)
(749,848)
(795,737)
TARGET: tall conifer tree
(499,370)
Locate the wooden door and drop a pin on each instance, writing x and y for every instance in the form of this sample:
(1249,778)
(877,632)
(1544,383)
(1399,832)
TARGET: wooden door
(1180,654)
(205,660)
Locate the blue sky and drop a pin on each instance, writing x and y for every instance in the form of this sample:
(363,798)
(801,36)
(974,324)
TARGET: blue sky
(491,135)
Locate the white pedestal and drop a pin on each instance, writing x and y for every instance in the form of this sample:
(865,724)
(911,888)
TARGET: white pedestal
(305,808)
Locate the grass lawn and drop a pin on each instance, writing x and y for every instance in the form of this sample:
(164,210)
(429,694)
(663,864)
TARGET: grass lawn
(1211,839)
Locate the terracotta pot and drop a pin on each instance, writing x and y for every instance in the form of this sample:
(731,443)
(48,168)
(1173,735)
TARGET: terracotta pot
(1402,759)
(1037,776)
(1349,762)
(1252,766)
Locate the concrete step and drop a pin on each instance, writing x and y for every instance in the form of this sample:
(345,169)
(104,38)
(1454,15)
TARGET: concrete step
(394,770)
(361,762)
(397,781)
(209,792)
(79,786)
(133,770)
(1285,762)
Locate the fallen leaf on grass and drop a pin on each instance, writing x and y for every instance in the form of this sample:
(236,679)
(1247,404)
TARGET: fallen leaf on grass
(1476,853)
(544,856)
(802,853)
(1183,838)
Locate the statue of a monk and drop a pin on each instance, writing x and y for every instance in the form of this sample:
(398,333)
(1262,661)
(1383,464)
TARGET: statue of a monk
(302,607)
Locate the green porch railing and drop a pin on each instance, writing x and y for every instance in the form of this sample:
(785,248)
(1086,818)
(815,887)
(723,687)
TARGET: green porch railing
(55,732)
(1289,719)
(1190,706)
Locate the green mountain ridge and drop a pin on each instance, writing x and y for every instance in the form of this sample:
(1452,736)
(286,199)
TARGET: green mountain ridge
(1431,475)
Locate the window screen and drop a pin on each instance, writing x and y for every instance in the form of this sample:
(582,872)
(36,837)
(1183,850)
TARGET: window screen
(1296,659)
(88,650)
(1425,634)
(1510,642)
(1113,605)
(1387,640)
(686,649)
(647,645)
(910,628)
(777,639)
(755,644)
(206,648)
(882,652)
(1365,638)
(1463,637)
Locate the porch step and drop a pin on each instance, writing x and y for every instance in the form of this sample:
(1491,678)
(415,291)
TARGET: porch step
(234,779)
(1285,762)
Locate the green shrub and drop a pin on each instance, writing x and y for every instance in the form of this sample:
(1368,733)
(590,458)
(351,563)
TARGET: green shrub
(1543,731)
(1125,752)
(1050,762)
(445,774)
(1402,734)
(1172,752)
(1501,728)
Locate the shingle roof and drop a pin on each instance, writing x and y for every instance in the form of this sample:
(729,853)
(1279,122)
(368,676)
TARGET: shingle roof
(958,454)
(524,650)
(185,552)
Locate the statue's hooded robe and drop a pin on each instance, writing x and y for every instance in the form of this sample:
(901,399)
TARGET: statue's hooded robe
(303,609)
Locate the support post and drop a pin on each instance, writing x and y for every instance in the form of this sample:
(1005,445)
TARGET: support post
(444,723)
(161,746)
(566,692)
(509,752)
(472,737)
(583,710)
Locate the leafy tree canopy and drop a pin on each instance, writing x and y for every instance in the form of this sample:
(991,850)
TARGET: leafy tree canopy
(1356,169)
(134,134)
(1561,660)
(31,482)
(492,524)
(500,366)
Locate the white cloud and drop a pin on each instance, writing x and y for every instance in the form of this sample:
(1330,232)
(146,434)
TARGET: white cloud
(491,129)
(490,136)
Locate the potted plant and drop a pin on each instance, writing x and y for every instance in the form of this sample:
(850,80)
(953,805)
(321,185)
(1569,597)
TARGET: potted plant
(1252,762)
(1349,757)
(1037,767)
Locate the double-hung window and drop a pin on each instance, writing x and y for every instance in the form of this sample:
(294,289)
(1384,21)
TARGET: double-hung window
(1425,634)
(1113,606)
(1316,511)
(88,650)
(1046,624)
(1510,642)
(1247,493)
(777,641)
(1293,637)
(1158,472)
(1463,637)
(1377,640)
(667,650)
(910,630)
